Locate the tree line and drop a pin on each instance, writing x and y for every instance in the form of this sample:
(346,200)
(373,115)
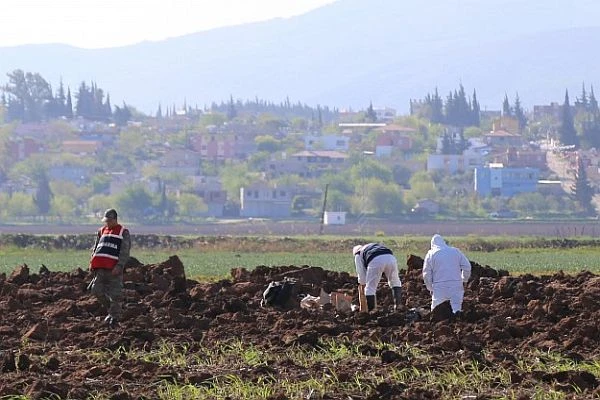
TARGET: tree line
(28,97)
(458,109)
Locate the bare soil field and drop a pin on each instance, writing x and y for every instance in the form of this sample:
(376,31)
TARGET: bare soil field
(50,326)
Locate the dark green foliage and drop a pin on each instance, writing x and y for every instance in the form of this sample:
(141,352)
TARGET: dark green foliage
(587,107)
(29,97)
(282,110)
(457,111)
(454,143)
(69,105)
(371,116)
(121,115)
(567,132)
(231,111)
(506,108)
(91,104)
(519,113)
(581,190)
(43,195)
(135,202)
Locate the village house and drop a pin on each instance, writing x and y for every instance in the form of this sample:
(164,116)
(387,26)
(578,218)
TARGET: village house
(497,180)
(222,147)
(392,140)
(210,189)
(180,161)
(81,147)
(21,148)
(266,201)
(521,158)
(327,142)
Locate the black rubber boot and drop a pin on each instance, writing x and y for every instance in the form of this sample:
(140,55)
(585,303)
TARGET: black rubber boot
(370,302)
(397,297)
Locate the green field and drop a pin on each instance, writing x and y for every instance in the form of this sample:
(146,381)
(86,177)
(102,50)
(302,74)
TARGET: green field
(215,264)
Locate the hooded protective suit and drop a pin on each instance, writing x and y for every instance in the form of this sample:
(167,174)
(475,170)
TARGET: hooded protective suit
(445,269)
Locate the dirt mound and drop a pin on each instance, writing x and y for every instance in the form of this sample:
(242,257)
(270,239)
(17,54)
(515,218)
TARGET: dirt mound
(53,341)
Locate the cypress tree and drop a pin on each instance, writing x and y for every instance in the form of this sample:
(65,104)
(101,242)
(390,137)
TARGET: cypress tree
(567,132)
(231,111)
(583,100)
(581,190)
(506,110)
(43,194)
(475,111)
(519,114)
(371,115)
(593,103)
(60,100)
(107,107)
(69,105)
(437,108)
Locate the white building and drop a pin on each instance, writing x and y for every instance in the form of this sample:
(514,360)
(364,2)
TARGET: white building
(334,218)
(328,142)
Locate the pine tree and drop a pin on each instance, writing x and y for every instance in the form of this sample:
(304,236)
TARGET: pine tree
(581,190)
(159,112)
(567,132)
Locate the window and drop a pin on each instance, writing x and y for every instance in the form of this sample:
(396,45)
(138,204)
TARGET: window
(274,194)
(282,193)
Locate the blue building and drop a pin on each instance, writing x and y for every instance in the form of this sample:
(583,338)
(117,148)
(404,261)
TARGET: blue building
(496,180)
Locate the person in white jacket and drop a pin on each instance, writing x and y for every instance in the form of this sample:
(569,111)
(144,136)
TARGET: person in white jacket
(445,270)
(372,260)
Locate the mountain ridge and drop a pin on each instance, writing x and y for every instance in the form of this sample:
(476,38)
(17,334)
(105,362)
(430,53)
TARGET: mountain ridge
(346,54)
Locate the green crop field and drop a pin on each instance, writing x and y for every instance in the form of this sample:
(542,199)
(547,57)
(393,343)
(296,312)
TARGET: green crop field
(216,264)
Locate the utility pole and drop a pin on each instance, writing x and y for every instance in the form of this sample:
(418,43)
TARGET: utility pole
(323,210)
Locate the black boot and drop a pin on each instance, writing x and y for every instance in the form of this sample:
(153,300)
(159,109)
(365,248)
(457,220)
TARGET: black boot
(397,297)
(370,302)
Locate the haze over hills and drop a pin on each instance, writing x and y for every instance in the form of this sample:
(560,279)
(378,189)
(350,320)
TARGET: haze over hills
(348,54)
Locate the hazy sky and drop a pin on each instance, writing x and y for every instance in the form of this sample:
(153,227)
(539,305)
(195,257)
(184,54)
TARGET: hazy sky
(109,23)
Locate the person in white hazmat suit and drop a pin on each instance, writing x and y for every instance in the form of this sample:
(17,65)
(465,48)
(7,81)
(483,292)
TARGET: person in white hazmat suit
(445,270)
(371,261)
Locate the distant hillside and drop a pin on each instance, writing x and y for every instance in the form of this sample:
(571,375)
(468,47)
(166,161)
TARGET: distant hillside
(347,54)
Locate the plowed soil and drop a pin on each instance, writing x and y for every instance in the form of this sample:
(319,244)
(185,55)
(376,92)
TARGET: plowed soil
(51,327)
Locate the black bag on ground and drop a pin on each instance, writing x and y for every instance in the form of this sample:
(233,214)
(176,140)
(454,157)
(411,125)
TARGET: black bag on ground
(279,293)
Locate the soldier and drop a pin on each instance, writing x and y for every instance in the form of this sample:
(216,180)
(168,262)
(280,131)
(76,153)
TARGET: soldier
(371,261)
(109,256)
